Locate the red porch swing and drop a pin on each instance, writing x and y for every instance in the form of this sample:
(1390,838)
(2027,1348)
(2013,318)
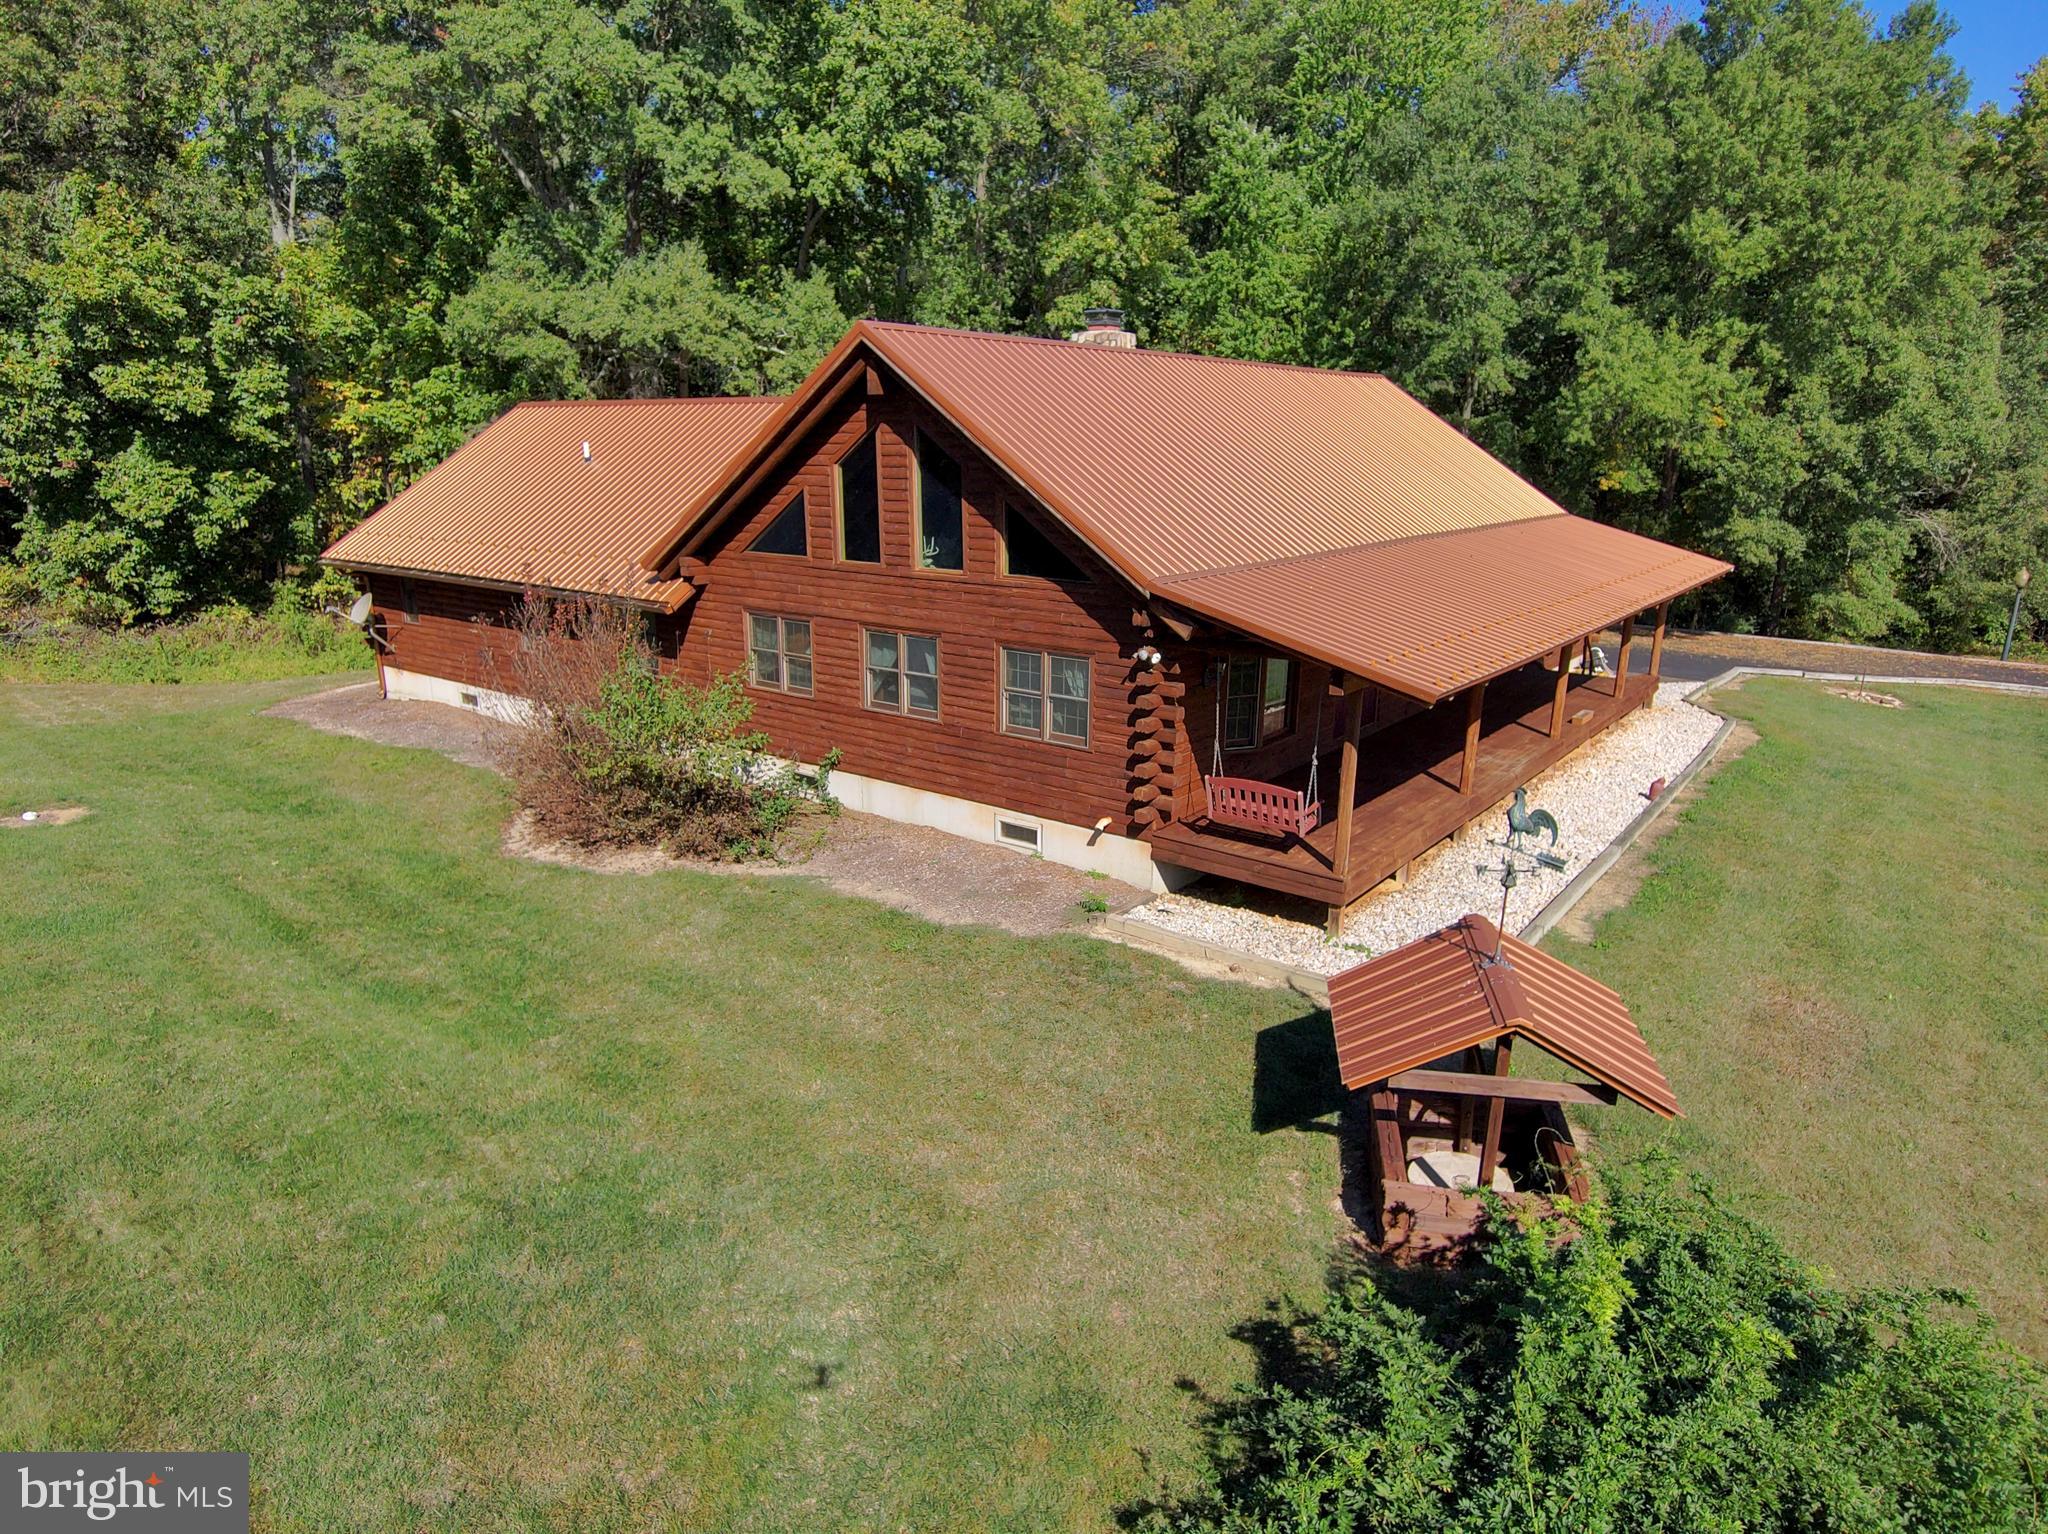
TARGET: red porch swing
(1264,806)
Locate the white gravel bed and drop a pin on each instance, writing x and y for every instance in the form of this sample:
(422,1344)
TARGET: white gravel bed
(1594,794)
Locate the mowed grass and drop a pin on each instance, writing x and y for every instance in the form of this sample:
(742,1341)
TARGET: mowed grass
(466,1193)
(1841,960)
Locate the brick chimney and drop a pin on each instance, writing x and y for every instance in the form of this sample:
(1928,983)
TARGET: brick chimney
(1104,327)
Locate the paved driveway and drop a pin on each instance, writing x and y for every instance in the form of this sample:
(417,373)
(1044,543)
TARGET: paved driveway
(1694,657)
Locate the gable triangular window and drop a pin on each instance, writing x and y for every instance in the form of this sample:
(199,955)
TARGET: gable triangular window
(787,534)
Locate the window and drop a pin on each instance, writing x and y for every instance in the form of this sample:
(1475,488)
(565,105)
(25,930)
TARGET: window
(1027,551)
(787,534)
(779,652)
(409,595)
(860,505)
(903,673)
(1258,700)
(1045,696)
(938,508)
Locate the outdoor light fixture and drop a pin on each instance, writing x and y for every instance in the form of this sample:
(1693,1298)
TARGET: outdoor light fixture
(1147,655)
(2012,623)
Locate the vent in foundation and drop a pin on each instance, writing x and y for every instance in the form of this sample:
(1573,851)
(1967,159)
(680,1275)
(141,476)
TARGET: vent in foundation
(1021,834)
(469,699)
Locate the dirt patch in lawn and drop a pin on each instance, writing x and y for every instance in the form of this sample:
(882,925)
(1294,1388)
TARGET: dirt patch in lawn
(1618,886)
(928,873)
(54,815)
(362,712)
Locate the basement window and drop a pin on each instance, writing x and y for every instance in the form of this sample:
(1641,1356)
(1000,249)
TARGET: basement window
(1024,835)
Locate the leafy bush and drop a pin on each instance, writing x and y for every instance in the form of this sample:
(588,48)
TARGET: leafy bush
(617,754)
(1653,1362)
(71,641)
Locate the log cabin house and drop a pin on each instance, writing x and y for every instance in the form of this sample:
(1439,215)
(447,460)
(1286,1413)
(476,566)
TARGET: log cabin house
(1142,612)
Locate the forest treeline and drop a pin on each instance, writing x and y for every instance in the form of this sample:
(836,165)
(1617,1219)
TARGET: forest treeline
(1762,284)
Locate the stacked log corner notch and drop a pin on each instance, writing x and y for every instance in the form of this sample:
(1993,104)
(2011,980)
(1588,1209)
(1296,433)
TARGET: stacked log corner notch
(1155,694)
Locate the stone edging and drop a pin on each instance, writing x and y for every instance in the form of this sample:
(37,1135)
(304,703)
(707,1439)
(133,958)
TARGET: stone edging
(1735,673)
(1259,971)
(1561,903)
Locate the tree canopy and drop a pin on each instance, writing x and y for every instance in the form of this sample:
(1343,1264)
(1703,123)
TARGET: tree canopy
(1652,1362)
(1761,284)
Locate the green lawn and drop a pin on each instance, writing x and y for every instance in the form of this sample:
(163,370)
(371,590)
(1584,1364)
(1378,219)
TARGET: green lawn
(466,1193)
(1841,959)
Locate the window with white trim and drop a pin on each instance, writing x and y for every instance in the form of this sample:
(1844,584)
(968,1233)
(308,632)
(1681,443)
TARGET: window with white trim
(902,672)
(1045,696)
(779,652)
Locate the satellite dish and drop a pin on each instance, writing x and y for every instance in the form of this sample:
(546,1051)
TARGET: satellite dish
(359,610)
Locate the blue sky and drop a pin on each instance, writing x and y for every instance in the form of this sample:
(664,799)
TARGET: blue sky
(1995,40)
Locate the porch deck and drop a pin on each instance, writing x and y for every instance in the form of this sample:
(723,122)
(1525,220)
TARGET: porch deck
(1407,799)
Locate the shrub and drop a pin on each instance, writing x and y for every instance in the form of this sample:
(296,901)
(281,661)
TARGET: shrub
(616,754)
(1654,1362)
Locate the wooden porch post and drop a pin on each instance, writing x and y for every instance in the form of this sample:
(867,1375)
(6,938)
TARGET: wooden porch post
(1564,678)
(1347,793)
(1489,1151)
(1657,643)
(1628,634)
(1468,770)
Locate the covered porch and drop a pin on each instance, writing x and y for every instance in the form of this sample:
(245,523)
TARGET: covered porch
(1398,792)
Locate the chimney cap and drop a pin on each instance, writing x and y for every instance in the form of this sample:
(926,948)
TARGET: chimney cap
(1103,319)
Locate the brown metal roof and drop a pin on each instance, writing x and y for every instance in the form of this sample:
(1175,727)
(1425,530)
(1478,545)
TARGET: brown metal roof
(1187,463)
(1428,616)
(1328,513)
(1438,996)
(517,504)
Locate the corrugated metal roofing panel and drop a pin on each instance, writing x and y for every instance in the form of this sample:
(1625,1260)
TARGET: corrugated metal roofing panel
(1429,616)
(1185,463)
(519,504)
(1437,996)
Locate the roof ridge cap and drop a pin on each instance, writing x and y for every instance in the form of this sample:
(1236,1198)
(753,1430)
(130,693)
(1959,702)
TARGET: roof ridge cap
(1127,351)
(657,399)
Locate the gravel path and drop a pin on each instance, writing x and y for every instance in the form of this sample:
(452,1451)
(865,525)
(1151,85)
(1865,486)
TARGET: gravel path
(1594,794)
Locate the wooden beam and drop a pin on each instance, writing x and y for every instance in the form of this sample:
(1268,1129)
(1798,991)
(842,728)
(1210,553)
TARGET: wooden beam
(1628,634)
(1564,678)
(1471,1084)
(1347,794)
(1175,622)
(1468,769)
(1657,642)
(1489,1151)
(1386,1126)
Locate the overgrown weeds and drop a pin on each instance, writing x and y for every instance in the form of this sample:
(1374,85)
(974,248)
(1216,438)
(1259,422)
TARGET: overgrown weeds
(44,641)
(616,754)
